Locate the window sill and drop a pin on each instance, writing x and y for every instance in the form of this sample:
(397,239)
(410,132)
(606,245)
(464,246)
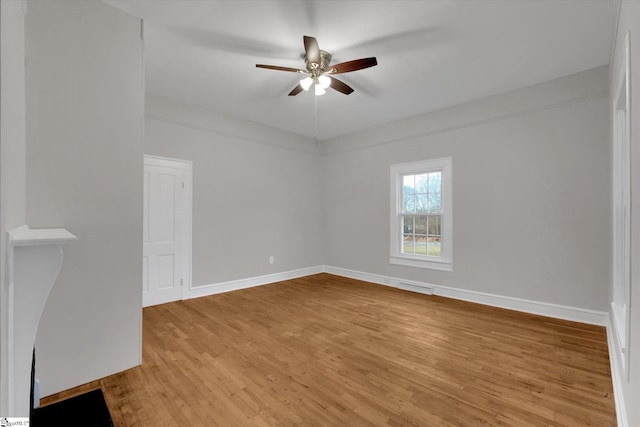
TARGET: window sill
(421,263)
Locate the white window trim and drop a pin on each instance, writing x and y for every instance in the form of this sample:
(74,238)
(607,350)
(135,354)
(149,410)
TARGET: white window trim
(445,260)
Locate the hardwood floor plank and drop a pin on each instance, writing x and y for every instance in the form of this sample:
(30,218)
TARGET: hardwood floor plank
(326,350)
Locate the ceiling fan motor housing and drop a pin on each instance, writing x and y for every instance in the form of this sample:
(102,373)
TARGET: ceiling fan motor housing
(325,59)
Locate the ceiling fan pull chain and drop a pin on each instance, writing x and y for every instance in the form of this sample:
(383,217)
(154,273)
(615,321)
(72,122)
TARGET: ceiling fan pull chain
(315,119)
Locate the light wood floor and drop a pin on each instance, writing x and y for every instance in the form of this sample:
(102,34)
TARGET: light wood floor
(325,350)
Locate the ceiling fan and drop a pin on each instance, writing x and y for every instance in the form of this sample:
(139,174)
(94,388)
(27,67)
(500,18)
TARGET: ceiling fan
(318,71)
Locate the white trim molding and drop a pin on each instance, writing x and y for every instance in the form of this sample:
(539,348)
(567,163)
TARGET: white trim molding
(557,311)
(168,162)
(621,208)
(519,304)
(616,374)
(234,285)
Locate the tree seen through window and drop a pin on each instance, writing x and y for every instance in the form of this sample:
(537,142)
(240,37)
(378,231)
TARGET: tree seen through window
(422,214)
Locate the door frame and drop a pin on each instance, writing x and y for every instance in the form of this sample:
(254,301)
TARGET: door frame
(187,167)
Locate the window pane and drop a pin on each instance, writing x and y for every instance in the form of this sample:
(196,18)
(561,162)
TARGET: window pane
(434,228)
(407,244)
(408,184)
(421,245)
(435,182)
(422,183)
(421,203)
(421,224)
(435,203)
(407,224)
(433,246)
(408,204)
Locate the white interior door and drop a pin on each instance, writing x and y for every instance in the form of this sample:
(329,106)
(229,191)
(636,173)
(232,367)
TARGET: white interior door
(166,257)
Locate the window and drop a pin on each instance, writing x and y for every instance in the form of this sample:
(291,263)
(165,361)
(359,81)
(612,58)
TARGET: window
(421,216)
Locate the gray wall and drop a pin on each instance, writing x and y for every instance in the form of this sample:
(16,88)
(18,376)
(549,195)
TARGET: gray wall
(12,119)
(531,192)
(629,20)
(255,191)
(12,154)
(85,105)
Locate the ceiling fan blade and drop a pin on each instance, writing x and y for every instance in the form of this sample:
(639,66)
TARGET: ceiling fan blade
(341,86)
(312,50)
(355,65)
(296,90)
(276,67)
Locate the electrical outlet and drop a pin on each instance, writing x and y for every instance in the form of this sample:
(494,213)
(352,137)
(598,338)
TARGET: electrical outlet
(272,259)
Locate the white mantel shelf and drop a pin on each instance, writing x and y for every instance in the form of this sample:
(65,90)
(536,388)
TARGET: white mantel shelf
(25,236)
(34,259)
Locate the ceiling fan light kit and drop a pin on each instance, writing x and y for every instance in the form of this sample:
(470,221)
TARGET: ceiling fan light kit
(306,83)
(318,73)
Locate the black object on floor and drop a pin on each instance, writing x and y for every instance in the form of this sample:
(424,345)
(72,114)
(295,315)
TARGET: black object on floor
(86,410)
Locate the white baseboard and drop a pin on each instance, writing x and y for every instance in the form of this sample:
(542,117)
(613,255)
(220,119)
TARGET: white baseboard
(234,285)
(575,314)
(534,307)
(616,375)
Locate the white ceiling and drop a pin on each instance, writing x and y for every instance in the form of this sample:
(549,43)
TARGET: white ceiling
(431,54)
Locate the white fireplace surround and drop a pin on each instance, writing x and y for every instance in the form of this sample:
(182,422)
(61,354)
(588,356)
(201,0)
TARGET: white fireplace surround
(34,259)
